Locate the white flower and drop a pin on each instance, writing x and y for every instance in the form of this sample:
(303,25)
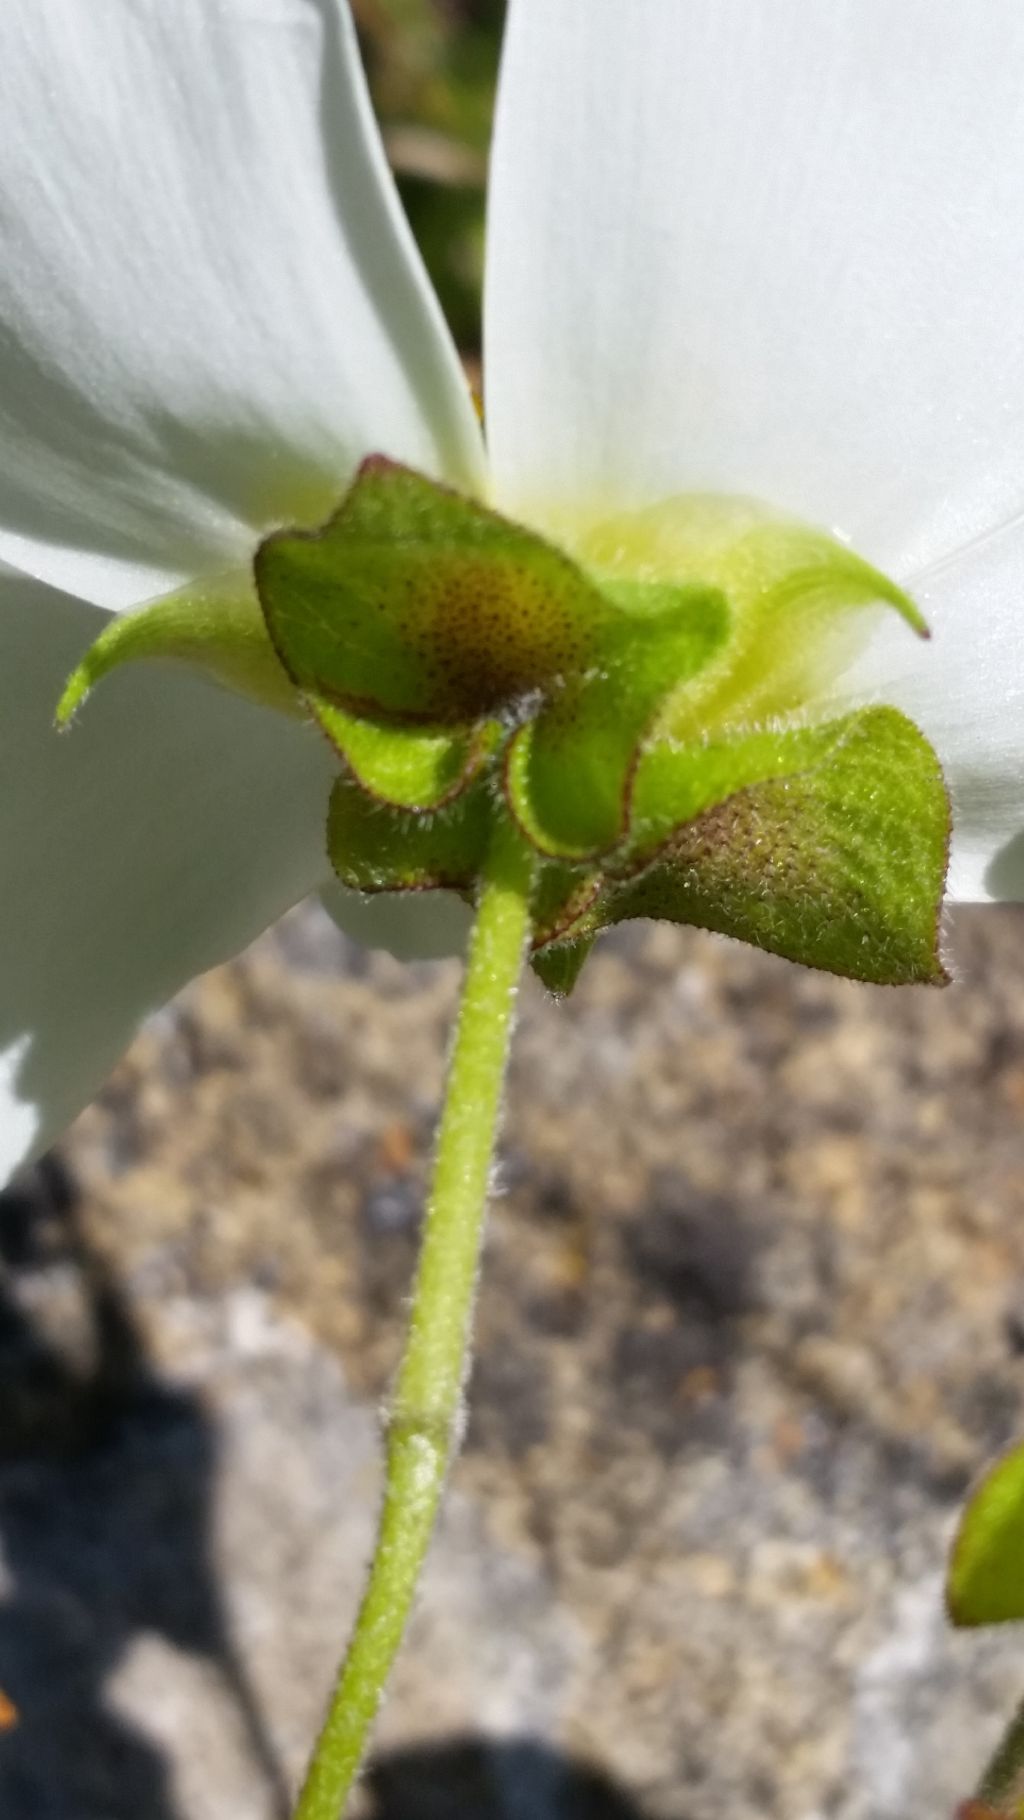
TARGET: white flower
(768,250)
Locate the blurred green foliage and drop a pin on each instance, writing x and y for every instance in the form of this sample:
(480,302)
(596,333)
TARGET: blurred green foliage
(432,66)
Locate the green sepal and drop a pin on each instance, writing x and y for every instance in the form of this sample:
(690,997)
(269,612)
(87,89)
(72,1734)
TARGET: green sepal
(562,900)
(559,966)
(373,846)
(562,895)
(834,856)
(801,602)
(985,1579)
(411,767)
(416,604)
(801,599)
(676,782)
(569,772)
(215,626)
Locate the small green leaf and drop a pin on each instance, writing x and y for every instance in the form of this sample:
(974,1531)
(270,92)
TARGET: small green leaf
(410,767)
(375,847)
(985,1583)
(834,855)
(570,771)
(418,604)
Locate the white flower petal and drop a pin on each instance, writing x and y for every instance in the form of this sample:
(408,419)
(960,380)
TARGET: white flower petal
(155,839)
(768,249)
(210,303)
(965,690)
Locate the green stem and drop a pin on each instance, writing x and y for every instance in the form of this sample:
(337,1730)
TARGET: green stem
(426,1409)
(1002,1787)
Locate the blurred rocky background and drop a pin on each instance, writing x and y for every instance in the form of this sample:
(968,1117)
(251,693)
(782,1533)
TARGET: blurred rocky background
(432,66)
(752,1315)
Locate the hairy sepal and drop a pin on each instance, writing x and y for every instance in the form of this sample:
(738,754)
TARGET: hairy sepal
(409,767)
(570,771)
(416,604)
(825,845)
(374,846)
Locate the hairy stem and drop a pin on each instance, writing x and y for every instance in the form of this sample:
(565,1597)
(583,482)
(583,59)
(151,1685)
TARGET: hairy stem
(425,1414)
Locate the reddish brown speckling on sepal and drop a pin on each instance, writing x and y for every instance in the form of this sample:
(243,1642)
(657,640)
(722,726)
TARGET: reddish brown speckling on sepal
(418,605)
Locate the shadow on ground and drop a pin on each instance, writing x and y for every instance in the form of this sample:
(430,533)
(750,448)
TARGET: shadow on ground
(106,1485)
(466,1779)
(107,1482)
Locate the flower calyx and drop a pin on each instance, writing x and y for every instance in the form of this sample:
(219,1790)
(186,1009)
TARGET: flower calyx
(636,723)
(472,669)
